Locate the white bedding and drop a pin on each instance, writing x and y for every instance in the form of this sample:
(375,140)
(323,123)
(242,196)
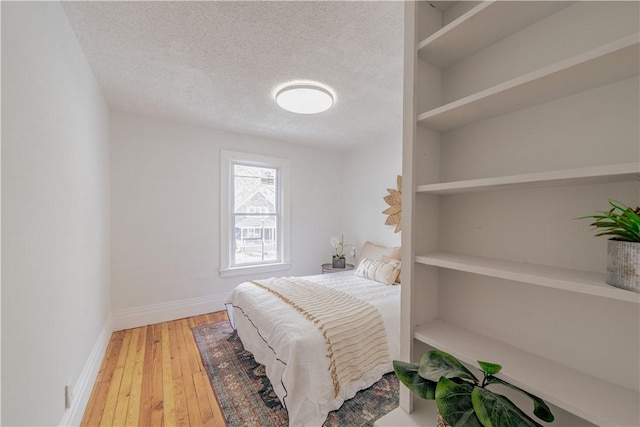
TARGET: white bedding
(292,348)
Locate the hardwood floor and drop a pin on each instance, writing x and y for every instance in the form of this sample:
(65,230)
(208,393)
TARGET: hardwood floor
(153,376)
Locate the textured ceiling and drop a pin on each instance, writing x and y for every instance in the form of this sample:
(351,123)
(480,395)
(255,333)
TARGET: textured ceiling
(218,63)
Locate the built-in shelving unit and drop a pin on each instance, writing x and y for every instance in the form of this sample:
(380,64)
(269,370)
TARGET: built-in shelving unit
(529,118)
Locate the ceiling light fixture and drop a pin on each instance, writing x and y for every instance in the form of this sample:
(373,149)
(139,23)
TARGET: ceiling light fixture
(304,98)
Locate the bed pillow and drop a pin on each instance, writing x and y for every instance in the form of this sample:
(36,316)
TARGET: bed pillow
(386,258)
(376,252)
(381,271)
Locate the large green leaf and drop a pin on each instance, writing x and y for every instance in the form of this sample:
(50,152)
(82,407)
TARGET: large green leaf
(453,400)
(407,373)
(540,408)
(435,364)
(495,410)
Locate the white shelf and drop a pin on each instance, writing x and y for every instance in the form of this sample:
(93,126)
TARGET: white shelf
(481,26)
(595,400)
(552,277)
(609,63)
(590,175)
(425,414)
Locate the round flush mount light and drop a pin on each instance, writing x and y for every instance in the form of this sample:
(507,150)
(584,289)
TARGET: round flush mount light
(304,98)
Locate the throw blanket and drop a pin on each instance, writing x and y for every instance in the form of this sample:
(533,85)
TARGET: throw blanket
(353,329)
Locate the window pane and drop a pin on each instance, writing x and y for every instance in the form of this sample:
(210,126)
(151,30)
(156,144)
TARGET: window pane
(254,189)
(255,239)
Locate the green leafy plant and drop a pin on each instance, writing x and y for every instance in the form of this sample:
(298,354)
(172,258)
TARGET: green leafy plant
(461,398)
(621,222)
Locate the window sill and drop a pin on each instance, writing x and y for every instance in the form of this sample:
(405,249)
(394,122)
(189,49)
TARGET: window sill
(254,269)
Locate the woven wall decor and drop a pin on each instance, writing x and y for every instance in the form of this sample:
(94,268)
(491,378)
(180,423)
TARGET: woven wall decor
(394,200)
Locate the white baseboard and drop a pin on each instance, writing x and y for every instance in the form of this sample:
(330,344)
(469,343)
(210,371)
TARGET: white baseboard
(83,387)
(155,313)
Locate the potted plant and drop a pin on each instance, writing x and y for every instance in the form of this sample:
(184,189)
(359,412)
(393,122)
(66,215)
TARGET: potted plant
(622,224)
(461,398)
(339,258)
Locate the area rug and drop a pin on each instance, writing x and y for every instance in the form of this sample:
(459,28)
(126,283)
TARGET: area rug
(247,398)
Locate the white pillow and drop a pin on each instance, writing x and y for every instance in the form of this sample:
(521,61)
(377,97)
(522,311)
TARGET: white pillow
(381,271)
(375,252)
(386,258)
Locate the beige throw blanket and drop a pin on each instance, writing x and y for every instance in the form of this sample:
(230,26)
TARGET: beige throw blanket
(352,329)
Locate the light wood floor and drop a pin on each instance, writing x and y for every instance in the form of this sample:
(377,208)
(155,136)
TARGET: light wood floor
(153,376)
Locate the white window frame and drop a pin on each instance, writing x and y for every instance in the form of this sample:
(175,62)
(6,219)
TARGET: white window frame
(227,159)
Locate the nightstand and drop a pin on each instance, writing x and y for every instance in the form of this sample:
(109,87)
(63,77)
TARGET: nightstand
(328,268)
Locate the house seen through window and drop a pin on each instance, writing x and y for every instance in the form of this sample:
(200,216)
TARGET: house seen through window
(255,215)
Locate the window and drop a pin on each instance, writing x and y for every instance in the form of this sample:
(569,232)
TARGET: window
(254,213)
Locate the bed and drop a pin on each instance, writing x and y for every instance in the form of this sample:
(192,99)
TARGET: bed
(295,348)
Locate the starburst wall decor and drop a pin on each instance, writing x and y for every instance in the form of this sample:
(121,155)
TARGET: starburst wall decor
(394,200)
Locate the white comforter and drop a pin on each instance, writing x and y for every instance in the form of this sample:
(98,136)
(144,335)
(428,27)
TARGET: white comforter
(292,348)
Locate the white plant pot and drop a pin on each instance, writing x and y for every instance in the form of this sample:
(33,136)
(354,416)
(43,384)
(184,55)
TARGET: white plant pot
(623,266)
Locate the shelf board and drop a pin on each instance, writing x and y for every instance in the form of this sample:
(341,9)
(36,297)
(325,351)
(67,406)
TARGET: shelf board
(590,175)
(481,26)
(590,398)
(609,63)
(552,277)
(424,414)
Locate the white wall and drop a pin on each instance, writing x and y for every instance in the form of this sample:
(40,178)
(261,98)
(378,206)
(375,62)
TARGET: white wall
(165,215)
(55,213)
(368,172)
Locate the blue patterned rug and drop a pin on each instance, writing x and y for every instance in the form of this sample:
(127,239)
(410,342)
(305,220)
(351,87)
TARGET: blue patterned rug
(247,399)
